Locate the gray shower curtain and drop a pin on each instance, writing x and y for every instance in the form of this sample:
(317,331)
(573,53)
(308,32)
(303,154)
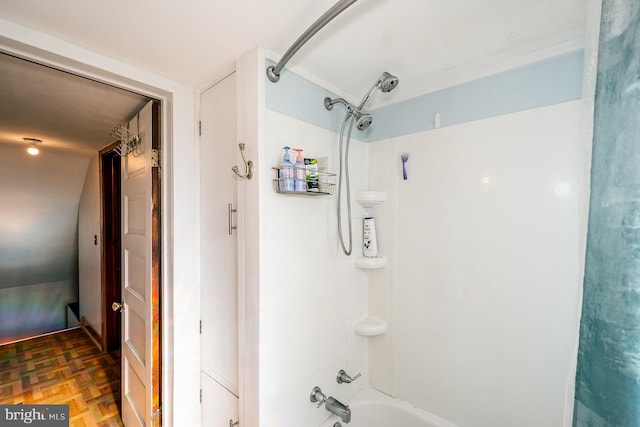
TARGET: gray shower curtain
(607,389)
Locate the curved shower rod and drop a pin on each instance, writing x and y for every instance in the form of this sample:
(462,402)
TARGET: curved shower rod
(273,72)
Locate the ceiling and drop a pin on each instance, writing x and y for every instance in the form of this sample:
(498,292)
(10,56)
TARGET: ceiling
(427,43)
(66,112)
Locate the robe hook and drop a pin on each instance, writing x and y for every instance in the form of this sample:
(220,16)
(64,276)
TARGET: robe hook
(248,165)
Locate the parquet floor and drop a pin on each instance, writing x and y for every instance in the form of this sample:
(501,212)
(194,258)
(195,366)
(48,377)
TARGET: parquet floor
(63,368)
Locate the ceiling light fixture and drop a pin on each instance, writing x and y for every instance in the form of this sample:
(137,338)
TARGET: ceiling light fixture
(33,145)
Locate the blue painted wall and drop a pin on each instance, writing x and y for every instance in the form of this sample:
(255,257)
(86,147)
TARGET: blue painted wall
(543,83)
(608,375)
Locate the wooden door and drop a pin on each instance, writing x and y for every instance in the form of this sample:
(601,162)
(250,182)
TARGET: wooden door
(111,176)
(219,254)
(141,274)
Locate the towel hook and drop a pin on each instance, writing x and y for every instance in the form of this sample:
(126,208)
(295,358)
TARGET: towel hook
(248,165)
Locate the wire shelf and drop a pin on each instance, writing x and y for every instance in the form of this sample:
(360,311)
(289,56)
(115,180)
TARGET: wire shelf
(322,186)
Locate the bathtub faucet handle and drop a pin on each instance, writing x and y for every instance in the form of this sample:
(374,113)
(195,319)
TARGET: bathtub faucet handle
(343,377)
(317,396)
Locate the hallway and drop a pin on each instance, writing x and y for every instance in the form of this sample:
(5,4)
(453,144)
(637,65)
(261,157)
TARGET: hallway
(63,368)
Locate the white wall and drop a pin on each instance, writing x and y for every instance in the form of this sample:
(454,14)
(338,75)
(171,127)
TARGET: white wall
(480,292)
(35,309)
(89,253)
(311,293)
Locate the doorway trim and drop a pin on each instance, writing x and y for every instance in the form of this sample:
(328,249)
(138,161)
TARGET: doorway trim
(180,256)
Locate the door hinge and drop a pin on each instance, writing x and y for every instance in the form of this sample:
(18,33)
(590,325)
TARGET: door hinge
(200,395)
(201,327)
(157,413)
(200,128)
(155,158)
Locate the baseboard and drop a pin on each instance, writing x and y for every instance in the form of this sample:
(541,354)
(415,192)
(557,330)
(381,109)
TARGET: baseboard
(93,335)
(39,335)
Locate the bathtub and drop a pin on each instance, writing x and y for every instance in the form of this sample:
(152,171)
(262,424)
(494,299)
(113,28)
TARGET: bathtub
(370,408)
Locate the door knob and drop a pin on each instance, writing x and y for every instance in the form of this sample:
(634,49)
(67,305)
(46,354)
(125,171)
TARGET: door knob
(117,306)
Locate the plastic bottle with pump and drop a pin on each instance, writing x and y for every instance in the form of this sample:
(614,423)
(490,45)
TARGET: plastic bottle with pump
(300,172)
(285,172)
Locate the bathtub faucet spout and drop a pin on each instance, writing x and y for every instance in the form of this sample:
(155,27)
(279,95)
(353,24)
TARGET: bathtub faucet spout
(338,408)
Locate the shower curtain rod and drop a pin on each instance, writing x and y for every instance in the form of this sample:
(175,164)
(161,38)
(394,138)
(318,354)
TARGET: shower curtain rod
(273,72)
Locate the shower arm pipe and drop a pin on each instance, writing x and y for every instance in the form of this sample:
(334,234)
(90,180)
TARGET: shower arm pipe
(273,72)
(329,103)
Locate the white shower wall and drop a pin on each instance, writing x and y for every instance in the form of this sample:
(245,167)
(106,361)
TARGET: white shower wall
(311,293)
(483,242)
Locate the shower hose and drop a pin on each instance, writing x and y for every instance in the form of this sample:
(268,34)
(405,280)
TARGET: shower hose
(344,163)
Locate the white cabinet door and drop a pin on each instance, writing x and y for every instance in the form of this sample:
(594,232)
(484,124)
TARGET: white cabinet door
(218,405)
(219,247)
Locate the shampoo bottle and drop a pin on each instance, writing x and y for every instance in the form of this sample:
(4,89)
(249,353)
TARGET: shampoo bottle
(300,173)
(285,172)
(369,240)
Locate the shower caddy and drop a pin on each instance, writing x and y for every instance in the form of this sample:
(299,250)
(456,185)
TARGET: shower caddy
(326,185)
(370,326)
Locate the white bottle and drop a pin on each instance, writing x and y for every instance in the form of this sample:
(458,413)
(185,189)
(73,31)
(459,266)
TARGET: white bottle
(369,240)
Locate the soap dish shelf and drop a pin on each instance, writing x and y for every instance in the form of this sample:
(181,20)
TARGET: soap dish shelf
(371,263)
(371,327)
(326,185)
(369,199)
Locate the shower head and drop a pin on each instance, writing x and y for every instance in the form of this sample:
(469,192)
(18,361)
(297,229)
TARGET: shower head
(386,83)
(363,121)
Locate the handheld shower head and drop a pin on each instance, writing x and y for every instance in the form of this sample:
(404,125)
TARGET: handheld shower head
(387,82)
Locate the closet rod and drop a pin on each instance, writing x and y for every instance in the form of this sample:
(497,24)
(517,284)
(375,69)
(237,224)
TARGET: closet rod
(273,72)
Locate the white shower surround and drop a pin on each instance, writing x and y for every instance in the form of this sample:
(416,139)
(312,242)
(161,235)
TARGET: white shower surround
(484,247)
(480,293)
